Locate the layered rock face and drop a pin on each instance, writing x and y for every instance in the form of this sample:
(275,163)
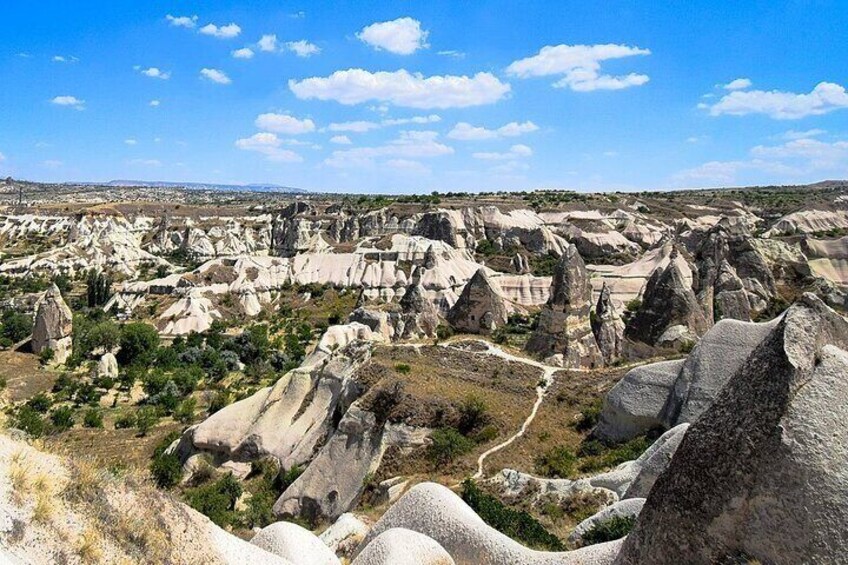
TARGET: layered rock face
(668,393)
(564,334)
(54,324)
(608,328)
(762,474)
(481,308)
(670,315)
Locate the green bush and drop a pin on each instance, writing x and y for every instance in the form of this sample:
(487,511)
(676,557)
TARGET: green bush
(145,419)
(285,478)
(62,418)
(558,462)
(40,403)
(30,421)
(590,415)
(518,525)
(448,444)
(46,355)
(138,343)
(444,332)
(615,528)
(92,418)
(15,326)
(403,368)
(633,306)
(473,414)
(126,420)
(221,399)
(600,456)
(216,500)
(185,411)
(167,470)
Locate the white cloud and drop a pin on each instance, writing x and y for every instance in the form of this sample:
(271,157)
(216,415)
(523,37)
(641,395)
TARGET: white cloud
(215,75)
(359,126)
(340,140)
(402,36)
(283,123)
(145,162)
(70,101)
(431,119)
(793,135)
(303,48)
(63,59)
(269,145)
(579,66)
(409,145)
(815,154)
(402,88)
(515,152)
(408,166)
(243,53)
(451,53)
(267,43)
(824,98)
(738,84)
(223,32)
(464,131)
(155,72)
(154,103)
(182,21)
(130,141)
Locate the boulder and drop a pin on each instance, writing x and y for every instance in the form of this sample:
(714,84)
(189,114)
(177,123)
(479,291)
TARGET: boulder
(54,324)
(295,543)
(608,328)
(481,308)
(107,366)
(761,475)
(564,333)
(345,535)
(399,546)
(670,315)
(629,508)
(636,403)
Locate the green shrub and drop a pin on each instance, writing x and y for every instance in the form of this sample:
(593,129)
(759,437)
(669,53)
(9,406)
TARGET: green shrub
(46,355)
(402,368)
(558,462)
(15,326)
(590,415)
(92,418)
(518,525)
(185,411)
(222,399)
(599,456)
(473,414)
(448,444)
(285,478)
(444,332)
(138,343)
(40,402)
(126,420)
(633,306)
(615,528)
(30,421)
(167,470)
(216,500)
(145,419)
(62,418)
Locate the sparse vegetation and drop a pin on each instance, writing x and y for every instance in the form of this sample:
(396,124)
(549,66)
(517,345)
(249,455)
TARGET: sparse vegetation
(615,528)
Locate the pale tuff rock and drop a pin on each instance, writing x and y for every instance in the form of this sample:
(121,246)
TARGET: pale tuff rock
(651,464)
(608,328)
(629,508)
(399,546)
(762,473)
(345,535)
(668,304)
(481,308)
(53,327)
(107,366)
(564,334)
(520,264)
(194,312)
(664,394)
(293,542)
(438,513)
(808,221)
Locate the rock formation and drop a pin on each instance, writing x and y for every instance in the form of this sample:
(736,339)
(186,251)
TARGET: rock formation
(564,334)
(107,366)
(481,308)
(761,475)
(608,328)
(418,314)
(670,315)
(664,394)
(54,324)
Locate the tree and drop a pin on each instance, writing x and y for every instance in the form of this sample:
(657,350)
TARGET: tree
(138,343)
(98,287)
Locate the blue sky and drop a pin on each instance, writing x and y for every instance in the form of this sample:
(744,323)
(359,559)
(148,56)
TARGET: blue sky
(420,96)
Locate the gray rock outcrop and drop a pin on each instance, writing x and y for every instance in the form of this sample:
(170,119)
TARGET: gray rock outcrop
(564,333)
(107,366)
(481,308)
(608,328)
(54,324)
(762,474)
(670,315)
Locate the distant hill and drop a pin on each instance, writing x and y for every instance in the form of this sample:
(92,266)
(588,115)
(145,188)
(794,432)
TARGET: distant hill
(209,186)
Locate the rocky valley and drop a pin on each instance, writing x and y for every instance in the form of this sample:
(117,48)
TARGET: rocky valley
(190,375)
